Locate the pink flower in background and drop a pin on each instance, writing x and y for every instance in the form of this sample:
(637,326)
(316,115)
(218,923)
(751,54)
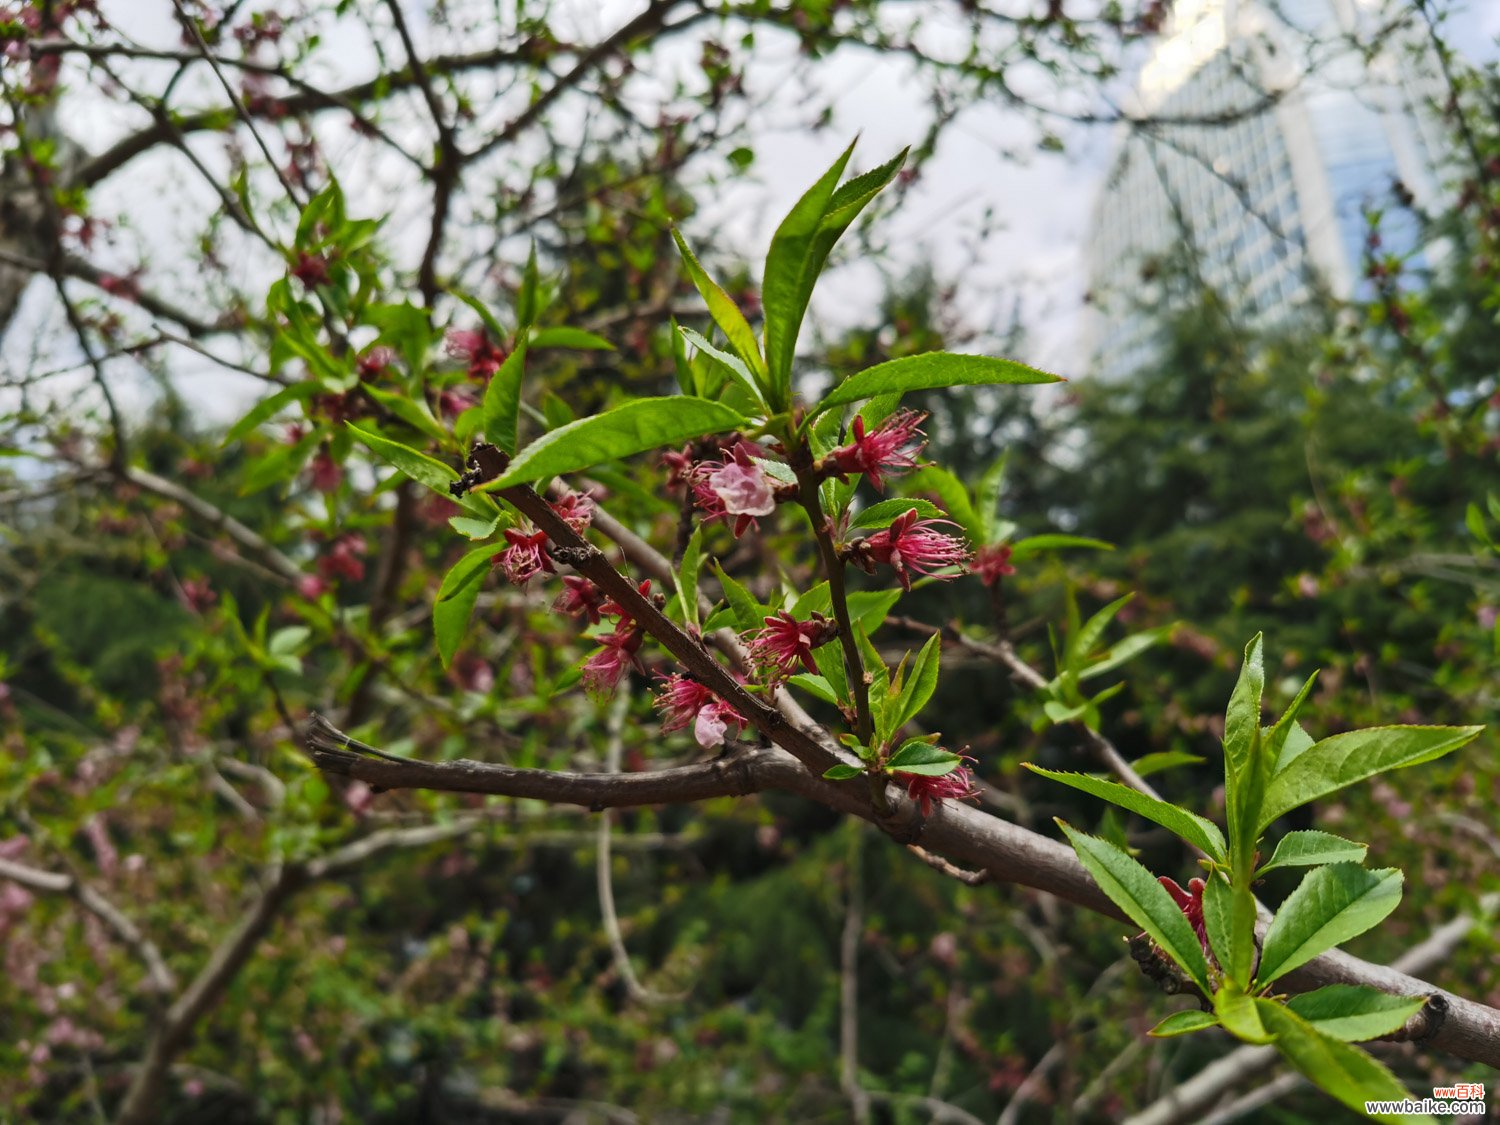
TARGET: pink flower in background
(993,563)
(344,559)
(198,594)
(311,587)
(956,785)
(324,472)
(374,361)
(736,487)
(911,546)
(525,558)
(785,644)
(891,448)
(475,348)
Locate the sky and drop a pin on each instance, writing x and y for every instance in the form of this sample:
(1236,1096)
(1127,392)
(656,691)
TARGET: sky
(1007,222)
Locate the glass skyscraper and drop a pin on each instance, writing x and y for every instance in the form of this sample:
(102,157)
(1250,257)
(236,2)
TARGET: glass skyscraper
(1267,129)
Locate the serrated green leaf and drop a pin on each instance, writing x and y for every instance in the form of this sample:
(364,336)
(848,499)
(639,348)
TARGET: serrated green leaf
(816,686)
(920,757)
(731,364)
(920,684)
(456,597)
(1239,1016)
(471,528)
(686,575)
(1124,651)
(1202,834)
(1331,905)
(930,371)
(1242,719)
(634,427)
(842,772)
(1335,1067)
(419,467)
(725,313)
(1182,1023)
(1331,764)
(798,251)
(954,496)
(1353,1012)
(1145,902)
(884,513)
(268,408)
(1229,917)
(1148,764)
(1310,849)
(501,412)
(749,614)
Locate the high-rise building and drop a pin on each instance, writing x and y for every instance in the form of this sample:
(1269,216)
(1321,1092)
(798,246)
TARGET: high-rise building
(1265,132)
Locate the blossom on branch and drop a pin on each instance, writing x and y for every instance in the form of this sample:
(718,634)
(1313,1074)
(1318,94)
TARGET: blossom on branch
(910,546)
(1190,902)
(736,487)
(785,644)
(685,702)
(618,651)
(891,448)
(993,563)
(580,598)
(525,558)
(957,785)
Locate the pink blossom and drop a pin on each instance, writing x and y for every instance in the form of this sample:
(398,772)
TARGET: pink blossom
(310,269)
(786,643)
(911,546)
(685,702)
(474,347)
(618,651)
(1486,616)
(343,559)
(891,448)
(576,509)
(993,563)
(736,487)
(374,361)
(580,598)
(198,594)
(957,785)
(453,401)
(324,472)
(312,588)
(525,558)
(612,608)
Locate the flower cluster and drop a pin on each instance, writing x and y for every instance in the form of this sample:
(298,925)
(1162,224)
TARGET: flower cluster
(957,785)
(889,449)
(909,546)
(527,556)
(685,702)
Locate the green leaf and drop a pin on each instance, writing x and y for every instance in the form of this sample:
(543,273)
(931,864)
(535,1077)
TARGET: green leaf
(816,686)
(1239,1016)
(987,497)
(633,427)
(501,412)
(1242,719)
(420,467)
(830,661)
(842,772)
(1124,652)
(1229,917)
(526,299)
(1331,764)
(798,251)
(471,528)
(1335,1067)
(1354,1012)
(1310,849)
(749,614)
(1085,639)
(1033,544)
(412,411)
(954,496)
(1148,764)
(920,684)
(1145,902)
(929,371)
(268,408)
(886,512)
(921,757)
(1181,1023)
(686,575)
(563,337)
(497,333)
(725,313)
(1202,834)
(1331,905)
(730,363)
(456,598)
